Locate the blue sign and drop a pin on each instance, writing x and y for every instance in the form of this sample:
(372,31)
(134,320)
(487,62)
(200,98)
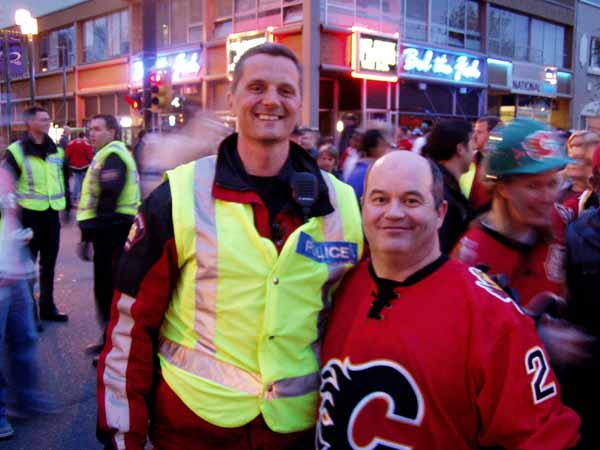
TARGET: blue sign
(16,59)
(456,67)
(335,252)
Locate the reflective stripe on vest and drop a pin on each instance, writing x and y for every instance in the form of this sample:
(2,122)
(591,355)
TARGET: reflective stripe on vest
(202,357)
(467,179)
(129,199)
(204,364)
(56,200)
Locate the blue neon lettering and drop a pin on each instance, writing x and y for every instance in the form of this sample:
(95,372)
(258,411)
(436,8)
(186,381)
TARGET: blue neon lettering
(458,67)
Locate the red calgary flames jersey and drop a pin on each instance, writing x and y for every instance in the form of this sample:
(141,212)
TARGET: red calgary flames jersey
(531,269)
(451,363)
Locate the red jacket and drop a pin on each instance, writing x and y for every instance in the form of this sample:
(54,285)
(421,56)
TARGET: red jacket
(531,269)
(79,154)
(128,373)
(451,363)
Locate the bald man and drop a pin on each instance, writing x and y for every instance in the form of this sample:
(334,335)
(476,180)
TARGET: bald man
(424,352)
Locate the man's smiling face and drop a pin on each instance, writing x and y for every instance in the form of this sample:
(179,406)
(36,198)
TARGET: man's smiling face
(266,100)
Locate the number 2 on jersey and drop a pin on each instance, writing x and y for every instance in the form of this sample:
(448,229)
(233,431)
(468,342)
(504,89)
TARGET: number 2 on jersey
(535,362)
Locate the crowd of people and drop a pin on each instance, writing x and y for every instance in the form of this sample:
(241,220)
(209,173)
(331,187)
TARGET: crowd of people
(427,289)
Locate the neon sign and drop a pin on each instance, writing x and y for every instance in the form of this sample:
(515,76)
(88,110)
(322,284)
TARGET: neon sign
(184,66)
(374,55)
(441,64)
(238,44)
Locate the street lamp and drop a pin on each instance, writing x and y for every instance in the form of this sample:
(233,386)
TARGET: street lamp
(29,27)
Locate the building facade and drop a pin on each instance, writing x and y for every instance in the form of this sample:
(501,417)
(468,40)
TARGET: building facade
(394,61)
(586,104)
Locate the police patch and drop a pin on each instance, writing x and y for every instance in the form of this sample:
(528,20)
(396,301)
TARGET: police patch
(333,252)
(136,232)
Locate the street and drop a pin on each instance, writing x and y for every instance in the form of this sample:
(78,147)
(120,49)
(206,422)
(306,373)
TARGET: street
(67,375)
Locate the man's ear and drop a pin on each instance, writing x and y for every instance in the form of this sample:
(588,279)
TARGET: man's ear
(594,180)
(441,211)
(230,100)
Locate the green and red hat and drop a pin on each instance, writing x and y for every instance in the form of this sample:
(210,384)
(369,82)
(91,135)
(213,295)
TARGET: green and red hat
(524,147)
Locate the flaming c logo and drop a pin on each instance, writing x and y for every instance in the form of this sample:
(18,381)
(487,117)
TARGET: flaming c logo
(371,406)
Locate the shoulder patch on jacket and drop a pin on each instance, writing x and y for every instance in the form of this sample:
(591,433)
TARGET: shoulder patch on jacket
(136,232)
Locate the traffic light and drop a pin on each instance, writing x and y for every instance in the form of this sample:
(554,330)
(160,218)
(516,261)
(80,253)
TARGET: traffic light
(135,100)
(161,91)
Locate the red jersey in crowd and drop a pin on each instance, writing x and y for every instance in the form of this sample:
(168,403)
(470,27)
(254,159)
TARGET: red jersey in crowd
(450,363)
(79,153)
(531,268)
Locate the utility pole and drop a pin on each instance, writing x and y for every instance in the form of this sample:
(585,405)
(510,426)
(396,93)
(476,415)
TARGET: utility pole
(148,56)
(64,73)
(31,69)
(311,58)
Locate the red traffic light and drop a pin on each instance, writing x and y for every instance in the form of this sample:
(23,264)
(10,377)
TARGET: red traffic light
(134,100)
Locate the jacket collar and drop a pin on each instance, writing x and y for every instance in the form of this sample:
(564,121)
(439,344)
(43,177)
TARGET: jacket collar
(42,150)
(449,179)
(232,176)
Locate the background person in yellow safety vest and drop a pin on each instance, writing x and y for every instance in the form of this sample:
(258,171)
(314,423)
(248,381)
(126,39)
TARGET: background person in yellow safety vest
(42,190)
(471,183)
(226,282)
(109,201)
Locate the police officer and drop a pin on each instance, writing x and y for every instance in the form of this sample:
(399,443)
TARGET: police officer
(225,284)
(109,201)
(41,171)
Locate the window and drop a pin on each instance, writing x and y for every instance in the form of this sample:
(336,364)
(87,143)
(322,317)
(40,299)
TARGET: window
(595,52)
(548,45)
(456,23)
(179,22)
(523,38)
(57,49)
(415,22)
(106,37)
(377,15)
(508,34)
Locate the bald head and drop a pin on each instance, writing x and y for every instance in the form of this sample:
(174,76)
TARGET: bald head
(396,165)
(401,215)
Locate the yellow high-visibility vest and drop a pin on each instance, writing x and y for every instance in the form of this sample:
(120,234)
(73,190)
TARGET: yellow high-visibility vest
(130,198)
(41,185)
(242,333)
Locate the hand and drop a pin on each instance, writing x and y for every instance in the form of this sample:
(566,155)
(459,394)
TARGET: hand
(565,343)
(546,302)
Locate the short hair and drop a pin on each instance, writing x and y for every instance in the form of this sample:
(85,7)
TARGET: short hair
(268,48)
(330,150)
(589,137)
(81,135)
(111,124)
(492,121)
(30,113)
(437,183)
(445,136)
(370,140)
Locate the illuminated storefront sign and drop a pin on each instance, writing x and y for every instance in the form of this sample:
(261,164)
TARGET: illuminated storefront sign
(184,66)
(374,55)
(456,67)
(531,79)
(240,43)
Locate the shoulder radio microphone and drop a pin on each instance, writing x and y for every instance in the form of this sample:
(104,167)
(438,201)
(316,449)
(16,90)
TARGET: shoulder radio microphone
(305,189)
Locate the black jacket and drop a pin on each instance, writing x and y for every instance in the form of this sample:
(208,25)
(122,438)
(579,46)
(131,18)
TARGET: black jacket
(583,271)
(459,214)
